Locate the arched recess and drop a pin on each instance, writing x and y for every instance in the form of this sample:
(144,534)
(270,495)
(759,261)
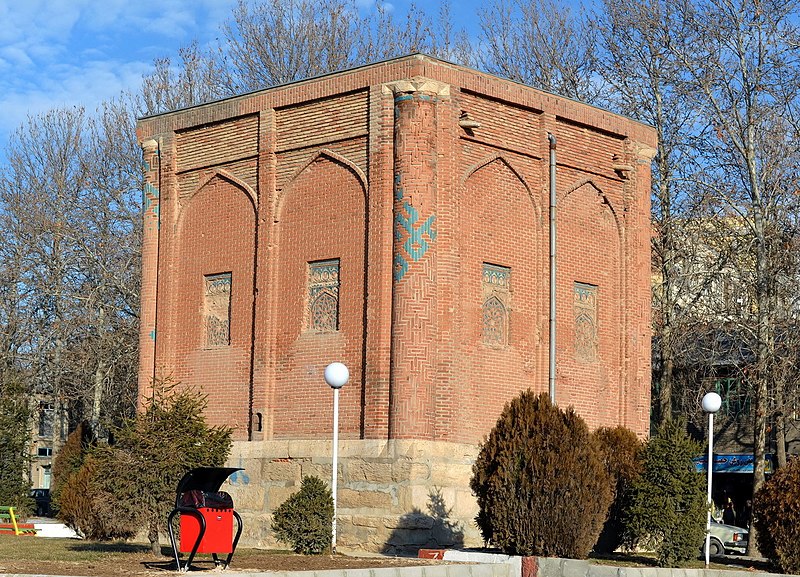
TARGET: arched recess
(320,220)
(215,245)
(321,154)
(500,158)
(499,232)
(208,178)
(590,301)
(605,199)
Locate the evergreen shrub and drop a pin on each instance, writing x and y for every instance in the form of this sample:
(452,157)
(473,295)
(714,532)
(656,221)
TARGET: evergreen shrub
(304,520)
(621,452)
(541,486)
(89,510)
(777,521)
(113,491)
(15,428)
(140,472)
(68,501)
(666,511)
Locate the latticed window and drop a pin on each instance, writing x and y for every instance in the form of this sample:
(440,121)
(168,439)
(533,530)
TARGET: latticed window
(585,309)
(494,322)
(496,283)
(323,295)
(218,310)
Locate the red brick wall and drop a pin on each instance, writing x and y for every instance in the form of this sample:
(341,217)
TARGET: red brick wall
(501,225)
(589,245)
(321,216)
(215,234)
(322,157)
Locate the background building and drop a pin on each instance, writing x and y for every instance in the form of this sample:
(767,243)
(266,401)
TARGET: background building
(393,217)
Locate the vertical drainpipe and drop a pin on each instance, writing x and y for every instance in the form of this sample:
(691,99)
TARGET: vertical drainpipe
(552,352)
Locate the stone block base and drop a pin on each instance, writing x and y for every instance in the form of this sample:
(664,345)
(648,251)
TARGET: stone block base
(394,496)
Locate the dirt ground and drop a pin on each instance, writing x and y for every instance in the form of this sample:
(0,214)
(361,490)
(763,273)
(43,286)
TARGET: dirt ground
(139,564)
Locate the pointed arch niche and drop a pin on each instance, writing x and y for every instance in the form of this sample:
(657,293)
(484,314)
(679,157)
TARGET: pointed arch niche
(320,220)
(589,295)
(212,292)
(499,239)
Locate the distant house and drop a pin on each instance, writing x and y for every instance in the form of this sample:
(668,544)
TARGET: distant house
(394,217)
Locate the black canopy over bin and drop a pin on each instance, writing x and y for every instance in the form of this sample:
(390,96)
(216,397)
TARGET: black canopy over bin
(206,516)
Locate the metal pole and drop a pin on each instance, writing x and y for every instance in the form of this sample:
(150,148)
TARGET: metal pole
(709,469)
(552,371)
(335,462)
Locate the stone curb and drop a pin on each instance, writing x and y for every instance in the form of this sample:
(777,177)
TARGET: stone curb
(444,570)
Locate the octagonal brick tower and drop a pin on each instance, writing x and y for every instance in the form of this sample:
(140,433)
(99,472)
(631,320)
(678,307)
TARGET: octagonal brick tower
(393,217)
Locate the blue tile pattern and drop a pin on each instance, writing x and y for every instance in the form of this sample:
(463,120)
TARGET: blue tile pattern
(408,225)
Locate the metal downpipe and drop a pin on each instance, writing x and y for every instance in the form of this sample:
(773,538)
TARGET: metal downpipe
(552,340)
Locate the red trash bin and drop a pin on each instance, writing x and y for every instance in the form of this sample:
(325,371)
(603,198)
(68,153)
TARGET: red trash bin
(217,512)
(206,516)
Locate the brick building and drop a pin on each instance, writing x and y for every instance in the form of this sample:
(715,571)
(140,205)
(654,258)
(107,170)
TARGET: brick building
(394,217)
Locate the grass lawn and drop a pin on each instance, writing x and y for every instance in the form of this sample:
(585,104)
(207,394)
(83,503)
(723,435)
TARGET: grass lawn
(39,555)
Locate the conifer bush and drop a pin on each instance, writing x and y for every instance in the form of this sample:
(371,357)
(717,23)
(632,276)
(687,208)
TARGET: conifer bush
(305,519)
(777,522)
(90,511)
(140,472)
(113,491)
(15,423)
(541,486)
(621,452)
(69,494)
(667,507)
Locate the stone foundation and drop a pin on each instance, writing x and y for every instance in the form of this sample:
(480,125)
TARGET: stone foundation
(394,496)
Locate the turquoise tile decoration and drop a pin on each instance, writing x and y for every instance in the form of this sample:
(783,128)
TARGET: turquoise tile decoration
(408,224)
(149,196)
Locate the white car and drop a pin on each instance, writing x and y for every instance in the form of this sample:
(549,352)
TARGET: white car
(726,539)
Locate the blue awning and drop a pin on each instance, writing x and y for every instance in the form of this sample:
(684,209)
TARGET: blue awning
(732,463)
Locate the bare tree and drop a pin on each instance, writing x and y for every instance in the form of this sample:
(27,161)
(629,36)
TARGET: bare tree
(69,200)
(636,61)
(278,41)
(382,36)
(741,65)
(271,42)
(541,43)
(197,79)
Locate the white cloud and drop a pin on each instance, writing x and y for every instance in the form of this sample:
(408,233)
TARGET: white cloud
(57,53)
(67,85)
(15,56)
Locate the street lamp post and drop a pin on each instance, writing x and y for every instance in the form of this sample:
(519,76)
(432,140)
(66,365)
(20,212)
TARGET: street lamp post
(711,404)
(336,375)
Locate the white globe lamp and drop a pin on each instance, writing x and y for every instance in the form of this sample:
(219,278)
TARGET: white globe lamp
(711,404)
(336,375)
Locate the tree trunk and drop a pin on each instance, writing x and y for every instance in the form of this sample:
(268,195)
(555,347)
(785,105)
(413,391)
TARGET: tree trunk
(780,425)
(764,350)
(99,376)
(665,394)
(152,536)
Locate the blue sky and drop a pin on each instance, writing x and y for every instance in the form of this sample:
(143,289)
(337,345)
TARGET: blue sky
(80,52)
(69,52)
